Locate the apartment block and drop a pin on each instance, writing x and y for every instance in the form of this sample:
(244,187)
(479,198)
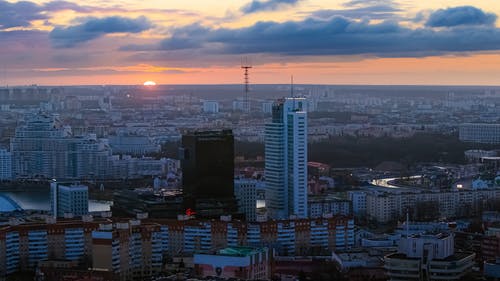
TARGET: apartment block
(385,207)
(135,249)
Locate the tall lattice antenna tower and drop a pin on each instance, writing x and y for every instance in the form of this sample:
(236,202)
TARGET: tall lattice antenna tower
(246,65)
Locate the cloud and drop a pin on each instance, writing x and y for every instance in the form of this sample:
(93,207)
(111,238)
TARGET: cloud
(336,36)
(266,5)
(22,13)
(365,3)
(379,12)
(464,15)
(19,14)
(60,5)
(92,28)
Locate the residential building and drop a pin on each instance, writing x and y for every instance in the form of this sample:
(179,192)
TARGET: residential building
(44,148)
(245,263)
(251,196)
(480,133)
(135,249)
(324,205)
(131,250)
(210,106)
(5,165)
(27,244)
(133,145)
(286,159)
(358,199)
(70,200)
(267,107)
(385,207)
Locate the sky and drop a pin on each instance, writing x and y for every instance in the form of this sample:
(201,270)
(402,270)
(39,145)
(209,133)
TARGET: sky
(374,42)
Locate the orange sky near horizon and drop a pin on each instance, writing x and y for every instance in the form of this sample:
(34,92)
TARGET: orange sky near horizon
(31,54)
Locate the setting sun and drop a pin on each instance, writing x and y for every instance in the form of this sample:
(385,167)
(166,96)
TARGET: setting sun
(149,83)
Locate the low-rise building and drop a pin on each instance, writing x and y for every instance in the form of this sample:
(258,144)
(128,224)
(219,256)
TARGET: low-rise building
(246,263)
(428,257)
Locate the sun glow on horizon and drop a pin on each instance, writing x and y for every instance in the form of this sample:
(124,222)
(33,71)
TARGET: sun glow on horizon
(150,83)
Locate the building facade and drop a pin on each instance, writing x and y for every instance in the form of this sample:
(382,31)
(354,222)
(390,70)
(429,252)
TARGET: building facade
(70,200)
(210,106)
(44,148)
(358,199)
(5,165)
(385,207)
(286,159)
(319,206)
(480,133)
(428,257)
(245,263)
(207,160)
(135,249)
(251,195)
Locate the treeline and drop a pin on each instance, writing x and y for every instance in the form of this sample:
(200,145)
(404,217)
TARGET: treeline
(349,151)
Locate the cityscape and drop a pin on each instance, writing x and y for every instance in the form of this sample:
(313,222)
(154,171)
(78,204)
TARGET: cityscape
(283,140)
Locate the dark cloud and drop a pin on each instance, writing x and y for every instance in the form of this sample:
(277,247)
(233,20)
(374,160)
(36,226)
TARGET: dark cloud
(92,28)
(337,36)
(465,15)
(19,14)
(60,5)
(266,5)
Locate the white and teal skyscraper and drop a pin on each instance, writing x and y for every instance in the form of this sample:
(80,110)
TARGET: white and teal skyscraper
(286,159)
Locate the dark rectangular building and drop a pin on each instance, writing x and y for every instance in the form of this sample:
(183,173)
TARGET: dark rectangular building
(207,159)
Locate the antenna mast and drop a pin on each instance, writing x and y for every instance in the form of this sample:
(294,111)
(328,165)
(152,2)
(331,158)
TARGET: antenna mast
(245,65)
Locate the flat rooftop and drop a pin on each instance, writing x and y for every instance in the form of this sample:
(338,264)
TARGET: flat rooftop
(239,251)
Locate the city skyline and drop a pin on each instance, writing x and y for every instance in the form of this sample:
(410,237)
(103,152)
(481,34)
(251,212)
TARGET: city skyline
(195,42)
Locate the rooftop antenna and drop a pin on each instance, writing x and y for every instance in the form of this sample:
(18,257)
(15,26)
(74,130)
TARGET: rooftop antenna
(245,65)
(292,95)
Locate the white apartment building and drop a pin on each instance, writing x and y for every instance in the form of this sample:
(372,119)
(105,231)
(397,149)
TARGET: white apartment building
(69,200)
(385,207)
(428,258)
(133,145)
(267,107)
(43,148)
(358,199)
(5,165)
(286,159)
(319,206)
(480,133)
(210,106)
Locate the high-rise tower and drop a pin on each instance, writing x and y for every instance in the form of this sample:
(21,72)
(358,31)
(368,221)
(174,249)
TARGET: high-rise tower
(286,159)
(207,159)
